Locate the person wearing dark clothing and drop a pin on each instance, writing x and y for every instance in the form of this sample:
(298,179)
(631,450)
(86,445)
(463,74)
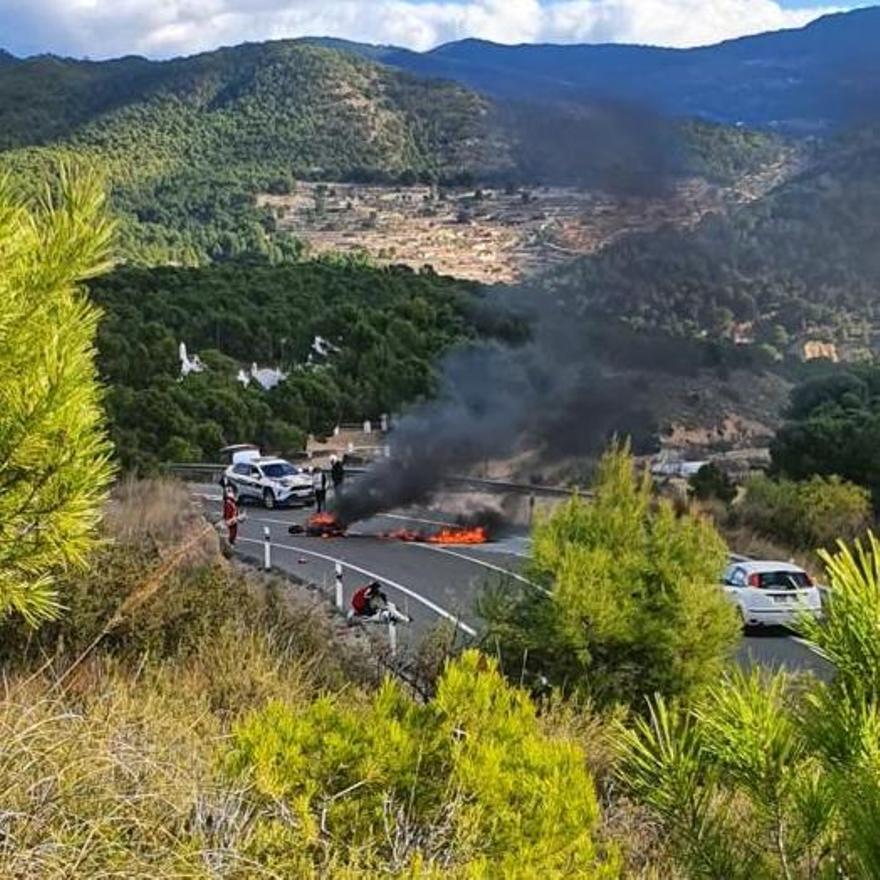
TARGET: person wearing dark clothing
(337,474)
(319,482)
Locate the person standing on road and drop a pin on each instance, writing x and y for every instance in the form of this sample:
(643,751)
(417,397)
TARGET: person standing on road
(319,482)
(230,515)
(337,474)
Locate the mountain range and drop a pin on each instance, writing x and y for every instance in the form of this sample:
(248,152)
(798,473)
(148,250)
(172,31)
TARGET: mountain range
(802,81)
(186,145)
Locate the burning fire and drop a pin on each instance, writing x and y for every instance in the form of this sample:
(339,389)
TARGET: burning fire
(320,525)
(476,535)
(325,525)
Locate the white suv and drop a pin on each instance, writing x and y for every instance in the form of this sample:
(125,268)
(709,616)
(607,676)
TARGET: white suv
(771,593)
(272,481)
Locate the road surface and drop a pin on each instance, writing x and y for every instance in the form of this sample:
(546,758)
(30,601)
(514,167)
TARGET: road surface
(430,582)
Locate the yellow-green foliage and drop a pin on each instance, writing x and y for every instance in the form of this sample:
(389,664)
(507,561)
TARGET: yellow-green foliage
(768,777)
(467,783)
(54,468)
(808,514)
(849,635)
(635,604)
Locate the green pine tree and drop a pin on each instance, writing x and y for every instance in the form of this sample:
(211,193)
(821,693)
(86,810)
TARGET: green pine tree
(54,456)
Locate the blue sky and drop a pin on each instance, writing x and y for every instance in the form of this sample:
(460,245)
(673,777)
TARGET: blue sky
(162,28)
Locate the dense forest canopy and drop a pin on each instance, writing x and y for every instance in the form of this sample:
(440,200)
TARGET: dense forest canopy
(833,428)
(382,330)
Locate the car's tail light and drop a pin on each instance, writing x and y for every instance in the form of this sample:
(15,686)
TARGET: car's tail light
(755,581)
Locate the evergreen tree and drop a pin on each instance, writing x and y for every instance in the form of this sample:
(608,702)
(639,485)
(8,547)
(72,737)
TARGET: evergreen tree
(54,457)
(769,776)
(632,604)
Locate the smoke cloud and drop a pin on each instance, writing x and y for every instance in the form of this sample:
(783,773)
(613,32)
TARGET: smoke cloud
(548,393)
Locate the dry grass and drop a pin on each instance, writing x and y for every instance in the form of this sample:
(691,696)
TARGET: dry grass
(106,784)
(158,512)
(116,770)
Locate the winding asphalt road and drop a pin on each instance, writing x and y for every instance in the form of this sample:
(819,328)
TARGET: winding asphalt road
(431,582)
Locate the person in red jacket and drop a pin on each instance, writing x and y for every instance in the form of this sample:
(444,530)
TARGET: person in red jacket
(369,604)
(231,515)
(369,600)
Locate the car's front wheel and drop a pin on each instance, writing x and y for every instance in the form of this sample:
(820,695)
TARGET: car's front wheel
(268,499)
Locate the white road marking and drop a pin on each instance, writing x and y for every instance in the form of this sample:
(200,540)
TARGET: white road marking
(810,647)
(376,577)
(482,562)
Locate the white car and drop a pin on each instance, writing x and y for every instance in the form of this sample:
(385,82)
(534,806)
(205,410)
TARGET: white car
(272,481)
(771,593)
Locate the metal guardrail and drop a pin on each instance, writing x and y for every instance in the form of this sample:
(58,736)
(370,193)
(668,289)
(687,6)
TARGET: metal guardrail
(212,472)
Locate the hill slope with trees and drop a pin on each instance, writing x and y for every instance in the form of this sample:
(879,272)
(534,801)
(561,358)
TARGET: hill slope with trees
(187,144)
(801,81)
(800,263)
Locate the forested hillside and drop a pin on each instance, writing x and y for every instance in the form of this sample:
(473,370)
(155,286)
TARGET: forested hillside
(803,262)
(186,144)
(385,328)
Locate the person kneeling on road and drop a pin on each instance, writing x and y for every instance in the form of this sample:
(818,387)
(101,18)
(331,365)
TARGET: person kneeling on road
(370,605)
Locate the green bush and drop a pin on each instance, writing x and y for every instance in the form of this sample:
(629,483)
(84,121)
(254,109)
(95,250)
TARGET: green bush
(804,515)
(833,428)
(769,777)
(634,605)
(467,784)
(710,482)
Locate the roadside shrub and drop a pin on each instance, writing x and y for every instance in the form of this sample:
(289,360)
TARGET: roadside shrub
(712,482)
(632,602)
(802,515)
(767,776)
(467,785)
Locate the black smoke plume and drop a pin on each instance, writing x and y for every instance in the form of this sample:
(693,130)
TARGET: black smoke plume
(547,393)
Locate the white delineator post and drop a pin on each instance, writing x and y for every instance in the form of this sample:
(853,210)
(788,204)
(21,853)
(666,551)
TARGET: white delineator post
(392,637)
(340,597)
(267,549)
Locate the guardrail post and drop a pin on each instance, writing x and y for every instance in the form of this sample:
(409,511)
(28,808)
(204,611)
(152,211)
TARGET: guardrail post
(267,549)
(340,597)
(531,508)
(392,637)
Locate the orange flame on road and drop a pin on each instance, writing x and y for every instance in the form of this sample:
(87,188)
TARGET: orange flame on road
(477,535)
(324,524)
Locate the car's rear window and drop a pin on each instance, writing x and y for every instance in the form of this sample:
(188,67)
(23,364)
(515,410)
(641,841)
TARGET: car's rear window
(784,580)
(275,471)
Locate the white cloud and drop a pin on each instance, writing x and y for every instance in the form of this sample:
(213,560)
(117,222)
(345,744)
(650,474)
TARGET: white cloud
(102,28)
